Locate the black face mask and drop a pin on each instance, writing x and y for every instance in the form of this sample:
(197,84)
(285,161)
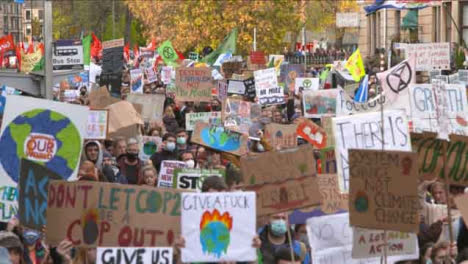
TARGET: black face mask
(132,156)
(83,93)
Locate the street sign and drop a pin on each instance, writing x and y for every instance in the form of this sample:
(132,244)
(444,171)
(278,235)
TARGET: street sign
(67,53)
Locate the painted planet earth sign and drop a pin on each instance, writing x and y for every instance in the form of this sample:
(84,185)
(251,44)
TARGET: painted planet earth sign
(218,138)
(44,136)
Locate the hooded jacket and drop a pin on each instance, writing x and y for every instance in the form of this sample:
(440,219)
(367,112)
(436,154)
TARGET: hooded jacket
(98,163)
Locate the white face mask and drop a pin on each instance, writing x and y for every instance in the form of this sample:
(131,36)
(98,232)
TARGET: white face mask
(190,164)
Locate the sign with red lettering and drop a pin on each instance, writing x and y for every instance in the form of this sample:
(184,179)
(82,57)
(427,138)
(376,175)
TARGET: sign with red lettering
(166,173)
(193,84)
(93,214)
(383,191)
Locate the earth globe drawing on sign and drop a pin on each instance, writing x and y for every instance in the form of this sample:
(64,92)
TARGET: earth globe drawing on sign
(43,136)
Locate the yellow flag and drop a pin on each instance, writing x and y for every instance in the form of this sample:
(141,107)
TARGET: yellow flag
(355,66)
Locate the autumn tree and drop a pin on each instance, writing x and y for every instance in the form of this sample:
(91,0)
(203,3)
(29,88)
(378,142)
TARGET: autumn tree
(36,28)
(192,25)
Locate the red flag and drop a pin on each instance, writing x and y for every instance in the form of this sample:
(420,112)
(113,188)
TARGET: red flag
(40,46)
(96,47)
(30,46)
(152,45)
(7,43)
(127,52)
(18,57)
(136,52)
(181,56)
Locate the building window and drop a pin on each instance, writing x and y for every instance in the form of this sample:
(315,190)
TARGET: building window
(41,14)
(436,22)
(28,31)
(28,14)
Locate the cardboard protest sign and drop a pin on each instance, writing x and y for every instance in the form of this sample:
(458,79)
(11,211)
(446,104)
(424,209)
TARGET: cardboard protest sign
(193,84)
(370,243)
(34,181)
(461,201)
(166,172)
(281,136)
(97,124)
(192,179)
(212,118)
(231,67)
(327,125)
(430,157)
(148,146)
(92,214)
(236,87)
(221,228)
(378,179)
(266,85)
(220,138)
(222,90)
(306,84)
(153,105)
(289,73)
(124,255)
(327,160)
(279,165)
(429,56)
(100,98)
(239,115)
(319,103)
(47,132)
(312,133)
(331,240)
(124,120)
(363,131)
(332,199)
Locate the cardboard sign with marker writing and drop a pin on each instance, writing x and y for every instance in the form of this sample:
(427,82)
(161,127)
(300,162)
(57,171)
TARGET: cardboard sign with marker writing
(193,84)
(286,195)
(92,214)
(281,136)
(278,166)
(462,204)
(430,157)
(34,180)
(140,255)
(101,98)
(332,199)
(152,105)
(124,120)
(327,161)
(384,190)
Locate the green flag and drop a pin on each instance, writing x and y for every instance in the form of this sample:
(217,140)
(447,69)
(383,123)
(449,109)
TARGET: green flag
(167,52)
(324,74)
(228,46)
(40,65)
(86,41)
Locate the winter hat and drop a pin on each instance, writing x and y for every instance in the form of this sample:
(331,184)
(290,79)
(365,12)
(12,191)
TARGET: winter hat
(106,154)
(10,240)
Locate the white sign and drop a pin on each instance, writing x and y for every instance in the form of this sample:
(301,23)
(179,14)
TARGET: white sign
(136,81)
(363,131)
(218,227)
(331,240)
(306,84)
(151,75)
(266,86)
(97,124)
(166,172)
(347,20)
(236,87)
(67,55)
(191,119)
(429,56)
(167,74)
(192,179)
(134,255)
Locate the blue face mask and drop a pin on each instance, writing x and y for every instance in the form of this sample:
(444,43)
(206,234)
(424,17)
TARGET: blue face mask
(278,227)
(170,146)
(181,140)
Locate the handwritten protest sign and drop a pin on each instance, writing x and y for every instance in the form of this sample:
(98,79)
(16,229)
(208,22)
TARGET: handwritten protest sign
(166,173)
(250,91)
(306,84)
(8,202)
(346,105)
(137,255)
(97,124)
(231,67)
(124,120)
(328,160)
(370,243)
(153,105)
(430,157)
(94,214)
(151,75)
(101,98)
(313,133)
(281,136)
(192,179)
(331,240)
(193,84)
(218,227)
(363,131)
(212,118)
(378,179)
(148,146)
(332,199)
(34,181)
(238,115)
(236,87)
(320,103)
(461,201)
(266,85)
(279,165)
(289,73)
(167,74)
(222,90)
(220,138)
(47,132)
(429,56)
(136,81)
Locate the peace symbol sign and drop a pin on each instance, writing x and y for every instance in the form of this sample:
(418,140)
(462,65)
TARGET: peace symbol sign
(306,83)
(168,52)
(399,78)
